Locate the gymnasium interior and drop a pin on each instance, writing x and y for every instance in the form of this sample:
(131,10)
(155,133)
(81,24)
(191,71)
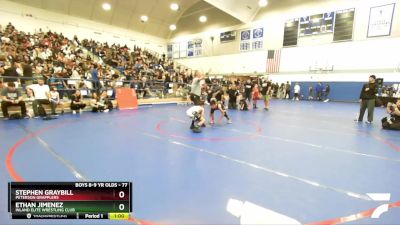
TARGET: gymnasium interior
(295,106)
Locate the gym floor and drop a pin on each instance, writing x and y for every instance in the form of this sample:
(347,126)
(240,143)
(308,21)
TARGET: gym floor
(305,161)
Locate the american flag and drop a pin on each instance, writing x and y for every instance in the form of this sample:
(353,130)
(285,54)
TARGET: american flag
(273,61)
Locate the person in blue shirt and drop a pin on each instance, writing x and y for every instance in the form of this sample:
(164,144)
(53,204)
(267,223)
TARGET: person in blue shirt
(318,91)
(95,78)
(54,81)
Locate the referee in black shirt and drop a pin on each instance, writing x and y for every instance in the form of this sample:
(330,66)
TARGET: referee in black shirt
(367,99)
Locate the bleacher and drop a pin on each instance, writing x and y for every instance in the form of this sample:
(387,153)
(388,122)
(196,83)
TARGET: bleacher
(126,69)
(16,109)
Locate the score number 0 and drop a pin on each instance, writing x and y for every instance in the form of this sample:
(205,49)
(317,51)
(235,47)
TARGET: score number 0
(121,206)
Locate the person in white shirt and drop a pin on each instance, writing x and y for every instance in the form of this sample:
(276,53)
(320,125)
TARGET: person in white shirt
(54,98)
(43,55)
(296,92)
(195,92)
(47,51)
(75,79)
(102,103)
(196,113)
(41,93)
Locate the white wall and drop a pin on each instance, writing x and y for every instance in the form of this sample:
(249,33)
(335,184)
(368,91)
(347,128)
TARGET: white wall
(357,55)
(237,63)
(381,54)
(335,77)
(70,26)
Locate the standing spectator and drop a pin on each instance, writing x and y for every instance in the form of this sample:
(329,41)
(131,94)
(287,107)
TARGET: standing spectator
(274,89)
(195,91)
(287,90)
(12,97)
(11,73)
(95,78)
(167,82)
(41,95)
(77,102)
(318,91)
(256,95)
(248,88)
(296,92)
(233,94)
(281,91)
(27,72)
(327,91)
(266,88)
(367,99)
(310,93)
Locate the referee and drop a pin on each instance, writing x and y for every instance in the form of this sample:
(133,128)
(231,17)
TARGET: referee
(195,91)
(367,99)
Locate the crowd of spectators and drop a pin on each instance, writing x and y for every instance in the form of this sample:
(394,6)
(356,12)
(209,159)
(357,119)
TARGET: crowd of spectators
(67,66)
(87,64)
(390,90)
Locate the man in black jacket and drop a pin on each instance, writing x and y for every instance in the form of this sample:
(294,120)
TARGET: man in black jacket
(233,94)
(367,99)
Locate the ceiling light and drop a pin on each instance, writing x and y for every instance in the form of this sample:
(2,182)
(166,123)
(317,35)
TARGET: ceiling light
(106,6)
(174,7)
(172,27)
(203,19)
(144,18)
(262,3)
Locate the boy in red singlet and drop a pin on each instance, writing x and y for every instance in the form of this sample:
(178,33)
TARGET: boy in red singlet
(256,96)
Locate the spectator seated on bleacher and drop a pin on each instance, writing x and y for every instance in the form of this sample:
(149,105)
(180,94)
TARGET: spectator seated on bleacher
(41,93)
(12,97)
(144,88)
(102,103)
(77,103)
(58,83)
(55,99)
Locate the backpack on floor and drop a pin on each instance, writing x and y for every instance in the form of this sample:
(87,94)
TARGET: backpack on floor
(41,111)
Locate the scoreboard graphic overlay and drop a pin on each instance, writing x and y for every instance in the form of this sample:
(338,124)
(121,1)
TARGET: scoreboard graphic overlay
(70,200)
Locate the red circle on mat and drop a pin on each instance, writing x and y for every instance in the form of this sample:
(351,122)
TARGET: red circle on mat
(257,132)
(355,217)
